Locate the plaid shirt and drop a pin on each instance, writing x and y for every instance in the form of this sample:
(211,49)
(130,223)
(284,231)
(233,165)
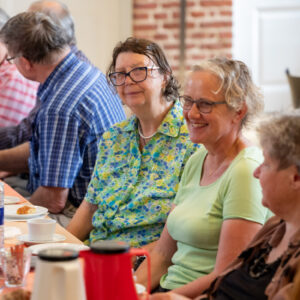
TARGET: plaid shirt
(17,95)
(77,107)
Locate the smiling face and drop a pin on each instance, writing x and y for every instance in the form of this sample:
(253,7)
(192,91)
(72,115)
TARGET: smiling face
(207,128)
(142,94)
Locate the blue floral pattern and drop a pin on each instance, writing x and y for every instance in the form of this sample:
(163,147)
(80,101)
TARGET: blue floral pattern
(134,190)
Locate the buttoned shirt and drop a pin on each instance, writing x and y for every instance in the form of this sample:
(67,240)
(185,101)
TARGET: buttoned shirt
(134,189)
(17,95)
(77,107)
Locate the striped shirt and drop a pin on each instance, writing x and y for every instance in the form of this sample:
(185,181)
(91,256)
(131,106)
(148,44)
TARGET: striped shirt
(17,95)
(77,107)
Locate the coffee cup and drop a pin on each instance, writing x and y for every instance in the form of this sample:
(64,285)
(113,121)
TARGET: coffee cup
(41,229)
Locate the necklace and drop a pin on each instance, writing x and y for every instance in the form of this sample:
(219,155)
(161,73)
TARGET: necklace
(145,137)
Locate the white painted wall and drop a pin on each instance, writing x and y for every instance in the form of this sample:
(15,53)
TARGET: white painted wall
(99,24)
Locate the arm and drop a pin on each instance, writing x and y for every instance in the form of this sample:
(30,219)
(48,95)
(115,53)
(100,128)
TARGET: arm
(81,223)
(160,260)
(13,136)
(54,198)
(234,237)
(15,159)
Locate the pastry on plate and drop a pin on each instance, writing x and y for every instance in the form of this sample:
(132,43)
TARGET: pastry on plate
(26,210)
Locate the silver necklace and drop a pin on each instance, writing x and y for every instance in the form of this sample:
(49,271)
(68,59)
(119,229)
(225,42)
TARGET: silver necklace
(145,137)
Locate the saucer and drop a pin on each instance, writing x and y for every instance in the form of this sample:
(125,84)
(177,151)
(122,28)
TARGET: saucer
(56,238)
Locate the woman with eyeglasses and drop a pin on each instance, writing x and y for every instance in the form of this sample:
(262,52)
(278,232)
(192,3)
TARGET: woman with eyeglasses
(140,161)
(218,203)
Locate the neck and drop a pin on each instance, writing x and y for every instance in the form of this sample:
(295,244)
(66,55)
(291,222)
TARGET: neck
(44,70)
(151,120)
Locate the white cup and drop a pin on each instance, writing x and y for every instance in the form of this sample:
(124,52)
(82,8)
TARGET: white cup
(41,229)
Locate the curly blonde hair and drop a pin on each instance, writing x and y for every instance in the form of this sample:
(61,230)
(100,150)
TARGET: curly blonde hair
(236,84)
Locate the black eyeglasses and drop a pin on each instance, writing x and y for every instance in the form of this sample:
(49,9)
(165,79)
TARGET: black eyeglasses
(203,105)
(138,74)
(11,59)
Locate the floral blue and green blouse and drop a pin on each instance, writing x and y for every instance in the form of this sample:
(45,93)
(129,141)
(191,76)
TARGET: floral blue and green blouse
(134,189)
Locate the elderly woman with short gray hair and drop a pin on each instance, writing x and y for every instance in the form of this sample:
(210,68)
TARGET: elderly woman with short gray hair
(218,204)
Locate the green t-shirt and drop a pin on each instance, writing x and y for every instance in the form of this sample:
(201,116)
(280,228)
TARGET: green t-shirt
(196,221)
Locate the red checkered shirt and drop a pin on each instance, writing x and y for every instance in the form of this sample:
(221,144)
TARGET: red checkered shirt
(17,95)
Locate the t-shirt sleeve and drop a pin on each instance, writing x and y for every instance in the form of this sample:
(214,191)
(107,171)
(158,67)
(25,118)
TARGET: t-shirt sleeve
(242,194)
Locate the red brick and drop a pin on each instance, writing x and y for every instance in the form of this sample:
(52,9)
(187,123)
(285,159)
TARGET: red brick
(225,34)
(176,14)
(171,25)
(145,5)
(171,46)
(216,24)
(145,27)
(160,36)
(160,16)
(197,14)
(190,25)
(201,35)
(171,4)
(198,56)
(190,3)
(215,3)
(140,16)
(226,13)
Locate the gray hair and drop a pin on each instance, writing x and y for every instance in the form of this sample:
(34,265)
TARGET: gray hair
(60,13)
(3,17)
(279,135)
(236,83)
(34,36)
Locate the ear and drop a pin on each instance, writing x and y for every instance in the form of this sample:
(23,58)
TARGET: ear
(240,114)
(27,65)
(295,178)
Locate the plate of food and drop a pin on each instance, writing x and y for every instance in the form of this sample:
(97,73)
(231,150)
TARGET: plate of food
(23,211)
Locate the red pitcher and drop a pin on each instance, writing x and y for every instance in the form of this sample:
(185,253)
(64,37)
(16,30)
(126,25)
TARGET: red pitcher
(108,271)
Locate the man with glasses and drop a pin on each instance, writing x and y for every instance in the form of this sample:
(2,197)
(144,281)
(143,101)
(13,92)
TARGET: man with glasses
(74,112)
(17,94)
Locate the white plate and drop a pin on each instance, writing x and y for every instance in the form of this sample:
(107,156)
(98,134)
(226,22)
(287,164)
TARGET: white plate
(36,248)
(11,232)
(25,238)
(10,212)
(11,200)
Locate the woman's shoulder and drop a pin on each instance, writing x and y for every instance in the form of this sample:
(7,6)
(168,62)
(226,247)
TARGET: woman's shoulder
(249,156)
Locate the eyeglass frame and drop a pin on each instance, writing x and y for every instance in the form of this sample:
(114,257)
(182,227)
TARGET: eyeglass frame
(11,59)
(198,102)
(128,74)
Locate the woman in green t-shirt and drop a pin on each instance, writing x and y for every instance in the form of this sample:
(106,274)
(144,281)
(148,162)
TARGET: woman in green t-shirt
(218,203)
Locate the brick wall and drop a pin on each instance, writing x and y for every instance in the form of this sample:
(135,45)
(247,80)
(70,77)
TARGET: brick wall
(208,28)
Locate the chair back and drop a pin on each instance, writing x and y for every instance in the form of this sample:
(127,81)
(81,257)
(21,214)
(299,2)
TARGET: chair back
(294,83)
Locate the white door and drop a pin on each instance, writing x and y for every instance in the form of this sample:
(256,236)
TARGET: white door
(266,36)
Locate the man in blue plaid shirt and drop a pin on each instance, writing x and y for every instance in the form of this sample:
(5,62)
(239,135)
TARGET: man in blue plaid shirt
(77,106)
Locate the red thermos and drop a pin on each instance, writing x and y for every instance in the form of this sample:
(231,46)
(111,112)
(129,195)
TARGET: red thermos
(108,271)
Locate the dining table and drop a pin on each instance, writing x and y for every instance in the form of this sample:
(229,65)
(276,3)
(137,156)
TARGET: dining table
(22,226)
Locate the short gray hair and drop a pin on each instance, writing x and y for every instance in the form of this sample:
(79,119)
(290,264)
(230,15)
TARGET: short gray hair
(236,83)
(34,36)
(60,13)
(3,17)
(279,135)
